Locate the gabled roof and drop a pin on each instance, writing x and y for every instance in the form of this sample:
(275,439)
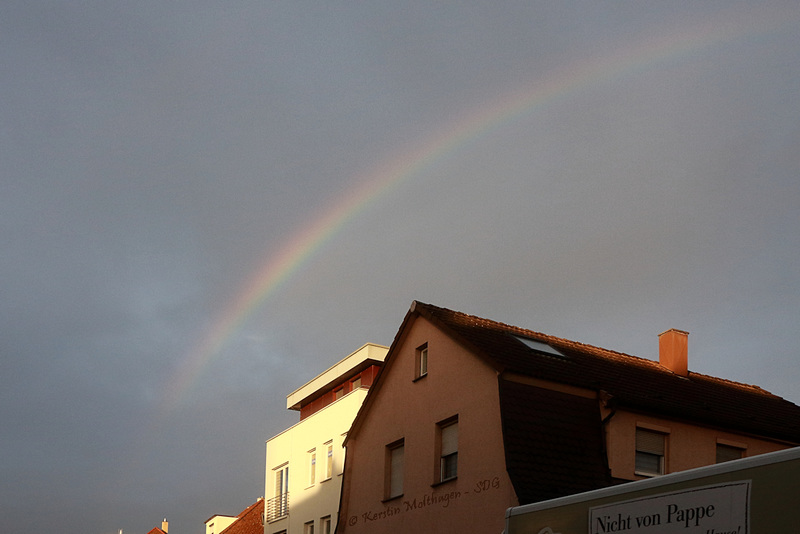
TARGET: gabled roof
(632,382)
(156,530)
(249,521)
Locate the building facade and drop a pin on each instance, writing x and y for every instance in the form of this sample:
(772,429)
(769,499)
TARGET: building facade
(469,417)
(304,464)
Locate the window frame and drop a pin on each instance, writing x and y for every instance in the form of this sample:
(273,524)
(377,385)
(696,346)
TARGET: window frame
(325,522)
(280,498)
(421,362)
(446,450)
(394,477)
(728,448)
(328,459)
(646,446)
(312,466)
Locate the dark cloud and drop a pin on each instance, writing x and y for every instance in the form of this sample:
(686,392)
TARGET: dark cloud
(156,156)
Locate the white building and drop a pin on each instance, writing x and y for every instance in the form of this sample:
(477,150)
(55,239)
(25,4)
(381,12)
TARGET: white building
(305,462)
(217,523)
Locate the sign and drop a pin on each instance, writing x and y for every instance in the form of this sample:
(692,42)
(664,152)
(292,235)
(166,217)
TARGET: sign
(755,495)
(718,509)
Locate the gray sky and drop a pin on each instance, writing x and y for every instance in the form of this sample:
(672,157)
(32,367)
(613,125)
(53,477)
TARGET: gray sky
(600,171)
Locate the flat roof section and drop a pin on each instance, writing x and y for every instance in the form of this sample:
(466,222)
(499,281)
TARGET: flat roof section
(346,366)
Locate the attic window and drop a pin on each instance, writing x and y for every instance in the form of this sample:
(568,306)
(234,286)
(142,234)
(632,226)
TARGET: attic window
(538,346)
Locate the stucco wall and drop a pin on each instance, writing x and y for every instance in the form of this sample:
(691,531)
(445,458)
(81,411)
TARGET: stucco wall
(310,502)
(408,409)
(688,445)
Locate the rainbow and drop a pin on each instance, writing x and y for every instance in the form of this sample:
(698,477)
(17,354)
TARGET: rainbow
(278,268)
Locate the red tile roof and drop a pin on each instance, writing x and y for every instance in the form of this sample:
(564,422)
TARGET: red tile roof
(249,521)
(632,382)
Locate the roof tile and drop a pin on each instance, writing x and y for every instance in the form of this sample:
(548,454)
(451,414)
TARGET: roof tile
(249,521)
(633,382)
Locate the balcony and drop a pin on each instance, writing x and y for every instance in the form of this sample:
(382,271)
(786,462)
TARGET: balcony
(278,507)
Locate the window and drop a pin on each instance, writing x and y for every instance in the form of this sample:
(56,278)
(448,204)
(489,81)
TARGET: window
(421,362)
(650,447)
(308,528)
(312,466)
(278,506)
(325,525)
(394,469)
(447,432)
(539,346)
(338,393)
(355,383)
(329,460)
(282,480)
(726,453)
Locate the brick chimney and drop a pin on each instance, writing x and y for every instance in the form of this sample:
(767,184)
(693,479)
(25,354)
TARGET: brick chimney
(673,352)
(165,525)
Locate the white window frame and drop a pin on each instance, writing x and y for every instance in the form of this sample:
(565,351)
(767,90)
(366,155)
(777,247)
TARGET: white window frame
(328,460)
(312,467)
(280,501)
(325,525)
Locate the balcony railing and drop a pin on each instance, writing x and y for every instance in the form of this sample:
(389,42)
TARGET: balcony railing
(278,507)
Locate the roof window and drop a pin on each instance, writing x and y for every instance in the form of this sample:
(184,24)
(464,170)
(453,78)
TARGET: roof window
(538,346)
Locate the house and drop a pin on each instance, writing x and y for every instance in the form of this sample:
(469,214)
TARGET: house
(163,530)
(469,416)
(249,521)
(308,500)
(217,523)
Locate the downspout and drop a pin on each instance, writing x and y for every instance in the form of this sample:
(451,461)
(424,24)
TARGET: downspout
(607,401)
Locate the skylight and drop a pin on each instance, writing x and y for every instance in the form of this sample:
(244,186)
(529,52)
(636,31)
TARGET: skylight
(538,346)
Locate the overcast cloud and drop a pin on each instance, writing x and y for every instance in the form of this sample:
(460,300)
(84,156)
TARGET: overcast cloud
(157,155)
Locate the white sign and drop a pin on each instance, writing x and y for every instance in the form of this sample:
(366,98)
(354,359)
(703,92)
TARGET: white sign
(718,509)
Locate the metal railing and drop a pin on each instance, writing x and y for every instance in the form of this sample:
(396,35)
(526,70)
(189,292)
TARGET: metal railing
(278,507)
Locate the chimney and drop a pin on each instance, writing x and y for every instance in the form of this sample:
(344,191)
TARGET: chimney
(165,525)
(673,352)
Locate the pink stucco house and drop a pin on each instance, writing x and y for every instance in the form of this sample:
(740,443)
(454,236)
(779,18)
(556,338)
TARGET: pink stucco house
(469,416)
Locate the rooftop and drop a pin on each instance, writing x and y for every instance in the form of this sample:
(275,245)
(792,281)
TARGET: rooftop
(367,355)
(630,381)
(249,521)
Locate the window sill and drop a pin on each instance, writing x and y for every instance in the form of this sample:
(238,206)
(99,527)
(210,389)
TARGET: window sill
(442,482)
(390,499)
(420,377)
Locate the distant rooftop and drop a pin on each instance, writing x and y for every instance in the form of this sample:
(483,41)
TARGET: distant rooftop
(351,365)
